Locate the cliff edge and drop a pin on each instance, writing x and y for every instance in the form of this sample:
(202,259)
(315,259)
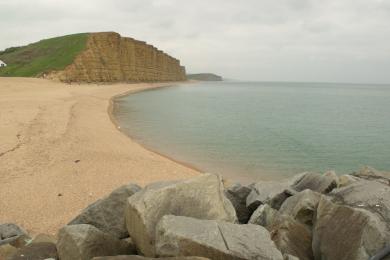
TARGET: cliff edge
(92,57)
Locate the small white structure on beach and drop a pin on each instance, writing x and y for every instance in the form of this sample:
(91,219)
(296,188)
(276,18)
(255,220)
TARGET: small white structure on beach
(2,64)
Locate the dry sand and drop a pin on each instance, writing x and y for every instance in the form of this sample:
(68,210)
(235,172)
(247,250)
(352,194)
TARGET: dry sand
(45,128)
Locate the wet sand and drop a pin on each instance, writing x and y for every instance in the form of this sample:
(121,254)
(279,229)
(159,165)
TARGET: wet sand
(60,151)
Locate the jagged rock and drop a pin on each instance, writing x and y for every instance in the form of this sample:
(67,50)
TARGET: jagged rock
(370,195)
(237,195)
(6,251)
(213,239)
(42,250)
(263,192)
(272,192)
(13,234)
(83,241)
(343,232)
(316,182)
(302,206)
(277,201)
(291,237)
(347,179)
(263,215)
(107,214)
(201,197)
(138,257)
(369,173)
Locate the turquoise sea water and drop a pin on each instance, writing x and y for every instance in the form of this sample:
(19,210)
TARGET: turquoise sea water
(260,130)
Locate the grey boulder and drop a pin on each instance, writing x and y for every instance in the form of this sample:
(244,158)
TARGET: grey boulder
(83,241)
(291,237)
(370,195)
(200,197)
(181,236)
(237,195)
(302,206)
(316,182)
(107,214)
(371,174)
(263,216)
(263,192)
(344,232)
(13,234)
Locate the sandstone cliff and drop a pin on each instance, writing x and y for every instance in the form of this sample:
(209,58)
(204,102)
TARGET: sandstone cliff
(108,57)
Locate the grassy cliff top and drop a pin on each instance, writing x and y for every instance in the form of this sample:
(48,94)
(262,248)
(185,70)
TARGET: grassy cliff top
(204,77)
(43,56)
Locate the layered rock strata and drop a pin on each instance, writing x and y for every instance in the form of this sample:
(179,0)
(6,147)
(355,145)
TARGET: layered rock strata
(108,57)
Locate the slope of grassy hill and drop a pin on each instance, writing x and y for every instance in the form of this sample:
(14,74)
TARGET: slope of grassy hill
(42,57)
(204,77)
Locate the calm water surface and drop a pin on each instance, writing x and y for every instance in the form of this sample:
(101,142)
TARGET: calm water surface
(263,130)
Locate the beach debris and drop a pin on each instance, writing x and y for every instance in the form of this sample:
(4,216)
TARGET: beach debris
(107,214)
(177,235)
(83,241)
(201,197)
(77,161)
(59,194)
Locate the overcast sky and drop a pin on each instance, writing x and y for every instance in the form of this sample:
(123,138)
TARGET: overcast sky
(269,40)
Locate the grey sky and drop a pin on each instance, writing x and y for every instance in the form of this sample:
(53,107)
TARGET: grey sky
(281,40)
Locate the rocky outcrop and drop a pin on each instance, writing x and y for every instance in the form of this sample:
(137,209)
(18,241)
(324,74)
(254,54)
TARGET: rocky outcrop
(107,214)
(178,236)
(137,257)
(201,197)
(108,57)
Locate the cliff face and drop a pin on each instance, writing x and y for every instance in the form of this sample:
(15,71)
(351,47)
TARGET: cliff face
(108,57)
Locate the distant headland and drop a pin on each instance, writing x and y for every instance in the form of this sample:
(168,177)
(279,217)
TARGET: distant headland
(204,77)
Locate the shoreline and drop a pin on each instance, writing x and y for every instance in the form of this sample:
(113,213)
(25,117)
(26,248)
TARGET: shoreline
(110,111)
(61,150)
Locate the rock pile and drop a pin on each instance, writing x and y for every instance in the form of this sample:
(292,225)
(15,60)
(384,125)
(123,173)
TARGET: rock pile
(310,216)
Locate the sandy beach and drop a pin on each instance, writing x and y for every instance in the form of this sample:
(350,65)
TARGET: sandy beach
(60,151)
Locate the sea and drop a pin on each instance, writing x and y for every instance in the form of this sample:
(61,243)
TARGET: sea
(263,130)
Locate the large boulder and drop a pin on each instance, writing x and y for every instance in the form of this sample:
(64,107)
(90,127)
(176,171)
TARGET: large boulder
(107,214)
(263,215)
(291,237)
(369,173)
(302,206)
(181,236)
(83,241)
(344,232)
(272,192)
(263,192)
(316,182)
(237,195)
(200,197)
(373,196)
(138,257)
(41,250)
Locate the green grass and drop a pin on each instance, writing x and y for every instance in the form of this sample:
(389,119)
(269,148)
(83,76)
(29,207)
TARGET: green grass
(41,57)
